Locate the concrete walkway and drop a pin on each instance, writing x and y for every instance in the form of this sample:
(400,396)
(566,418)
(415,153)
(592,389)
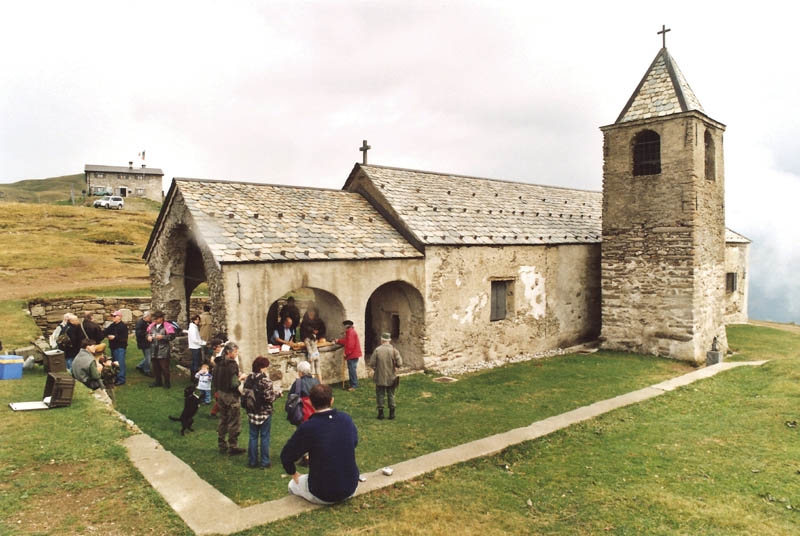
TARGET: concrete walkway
(193,498)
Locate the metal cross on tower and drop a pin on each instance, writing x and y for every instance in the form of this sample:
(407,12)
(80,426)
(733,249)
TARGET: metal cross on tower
(663,34)
(364,148)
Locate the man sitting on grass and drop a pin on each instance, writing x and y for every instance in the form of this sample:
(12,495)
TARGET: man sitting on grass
(330,438)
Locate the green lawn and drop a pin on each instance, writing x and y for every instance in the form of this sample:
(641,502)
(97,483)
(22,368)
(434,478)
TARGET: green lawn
(431,415)
(715,457)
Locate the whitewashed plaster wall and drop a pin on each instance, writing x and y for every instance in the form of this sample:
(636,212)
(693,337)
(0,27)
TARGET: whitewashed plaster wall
(554,300)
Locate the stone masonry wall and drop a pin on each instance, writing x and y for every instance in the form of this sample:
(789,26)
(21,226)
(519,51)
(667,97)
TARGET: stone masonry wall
(663,242)
(49,313)
(553,302)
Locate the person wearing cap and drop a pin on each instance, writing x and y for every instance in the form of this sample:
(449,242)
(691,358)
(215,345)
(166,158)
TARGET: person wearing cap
(117,334)
(352,352)
(385,361)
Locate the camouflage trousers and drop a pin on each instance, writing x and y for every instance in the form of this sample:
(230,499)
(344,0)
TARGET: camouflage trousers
(230,421)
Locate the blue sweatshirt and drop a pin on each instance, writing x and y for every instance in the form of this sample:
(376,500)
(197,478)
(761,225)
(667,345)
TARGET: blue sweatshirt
(330,439)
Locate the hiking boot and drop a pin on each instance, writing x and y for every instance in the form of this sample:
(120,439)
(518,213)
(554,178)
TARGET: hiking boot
(156,384)
(391,413)
(235,451)
(380,414)
(223,449)
(167,385)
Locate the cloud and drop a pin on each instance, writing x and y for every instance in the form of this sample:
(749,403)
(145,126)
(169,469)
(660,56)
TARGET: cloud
(284,92)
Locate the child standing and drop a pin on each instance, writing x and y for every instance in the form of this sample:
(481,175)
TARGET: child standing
(204,383)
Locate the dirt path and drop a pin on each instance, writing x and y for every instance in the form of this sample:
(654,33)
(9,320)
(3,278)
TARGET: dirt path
(26,286)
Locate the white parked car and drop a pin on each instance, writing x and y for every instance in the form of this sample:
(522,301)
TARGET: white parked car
(110,201)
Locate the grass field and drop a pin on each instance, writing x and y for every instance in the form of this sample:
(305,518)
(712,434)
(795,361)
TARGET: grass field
(716,457)
(719,457)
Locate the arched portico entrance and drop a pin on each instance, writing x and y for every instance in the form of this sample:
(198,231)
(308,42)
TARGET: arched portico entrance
(331,310)
(397,308)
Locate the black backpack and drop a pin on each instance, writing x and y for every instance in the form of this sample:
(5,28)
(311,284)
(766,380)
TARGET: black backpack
(253,398)
(63,341)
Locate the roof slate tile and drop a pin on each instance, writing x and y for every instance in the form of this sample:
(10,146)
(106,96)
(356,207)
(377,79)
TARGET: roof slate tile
(294,223)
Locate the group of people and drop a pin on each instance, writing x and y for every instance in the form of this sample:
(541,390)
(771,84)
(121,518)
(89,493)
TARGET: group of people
(153,335)
(84,338)
(312,333)
(324,442)
(74,334)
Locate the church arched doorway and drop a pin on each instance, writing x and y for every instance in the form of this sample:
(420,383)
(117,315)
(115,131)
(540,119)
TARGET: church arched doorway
(397,308)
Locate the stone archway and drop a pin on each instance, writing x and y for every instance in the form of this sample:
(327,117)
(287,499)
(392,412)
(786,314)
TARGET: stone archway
(399,309)
(331,310)
(178,265)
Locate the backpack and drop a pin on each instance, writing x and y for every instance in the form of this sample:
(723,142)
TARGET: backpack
(176,326)
(294,406)
(63,341)
(253,398)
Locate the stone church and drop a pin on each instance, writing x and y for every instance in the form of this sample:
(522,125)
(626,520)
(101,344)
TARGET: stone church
(462,269)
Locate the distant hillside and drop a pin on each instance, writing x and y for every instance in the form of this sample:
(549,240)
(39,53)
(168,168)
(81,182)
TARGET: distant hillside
(51,247)
(56,248)
(58,191)
(52,190)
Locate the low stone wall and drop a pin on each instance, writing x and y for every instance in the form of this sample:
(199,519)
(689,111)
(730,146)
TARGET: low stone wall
(49,313)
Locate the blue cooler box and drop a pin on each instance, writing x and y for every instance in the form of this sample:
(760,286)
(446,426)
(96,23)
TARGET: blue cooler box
(11,367)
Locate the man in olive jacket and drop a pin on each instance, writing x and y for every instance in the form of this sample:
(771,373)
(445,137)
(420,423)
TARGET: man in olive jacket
(385,361)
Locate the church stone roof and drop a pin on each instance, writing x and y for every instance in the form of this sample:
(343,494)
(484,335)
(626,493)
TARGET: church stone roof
(250,222)
(444,209)
(662,91)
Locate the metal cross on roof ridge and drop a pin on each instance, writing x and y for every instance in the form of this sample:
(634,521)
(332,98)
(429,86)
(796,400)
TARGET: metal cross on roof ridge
(364,148)
(663,34)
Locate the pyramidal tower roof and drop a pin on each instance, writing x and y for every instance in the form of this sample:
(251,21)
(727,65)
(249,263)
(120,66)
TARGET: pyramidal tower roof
(662,91)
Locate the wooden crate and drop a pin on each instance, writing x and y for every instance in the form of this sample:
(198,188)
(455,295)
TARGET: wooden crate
(54,361)
(59,387)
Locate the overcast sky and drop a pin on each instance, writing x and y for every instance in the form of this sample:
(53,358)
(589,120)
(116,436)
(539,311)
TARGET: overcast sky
(284,92)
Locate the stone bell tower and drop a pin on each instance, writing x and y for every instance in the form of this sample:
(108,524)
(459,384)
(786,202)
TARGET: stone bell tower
(663,248)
